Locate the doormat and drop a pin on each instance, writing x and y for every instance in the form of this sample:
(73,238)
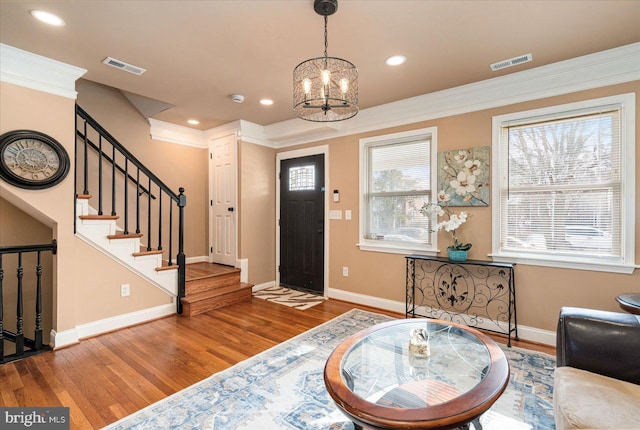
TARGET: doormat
(288,297)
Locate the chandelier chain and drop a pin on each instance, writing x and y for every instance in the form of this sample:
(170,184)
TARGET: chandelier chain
(326,44)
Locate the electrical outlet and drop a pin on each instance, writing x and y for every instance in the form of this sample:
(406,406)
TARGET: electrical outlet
(125,290)
(345,271)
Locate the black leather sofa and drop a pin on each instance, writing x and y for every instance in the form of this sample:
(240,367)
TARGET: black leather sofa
(597,378)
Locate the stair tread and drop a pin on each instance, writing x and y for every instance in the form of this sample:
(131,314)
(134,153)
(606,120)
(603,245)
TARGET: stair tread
(174,266)
(196,271)
(125,236)
(99,217)
(143,253)
(84,196)
(197,297)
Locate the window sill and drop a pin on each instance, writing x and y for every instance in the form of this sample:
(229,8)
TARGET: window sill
(395,248)
(566,262)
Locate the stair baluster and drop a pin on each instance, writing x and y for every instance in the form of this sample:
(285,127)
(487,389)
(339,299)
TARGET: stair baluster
(160,221)
(126,197)
(149,248)
(86,162)
(38,329)
(19,310)
(100,176)
(113,181)
(138,193)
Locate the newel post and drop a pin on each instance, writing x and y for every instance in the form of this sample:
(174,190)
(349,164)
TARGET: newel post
(182,202)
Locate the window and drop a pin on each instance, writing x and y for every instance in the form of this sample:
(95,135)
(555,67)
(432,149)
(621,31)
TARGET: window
(397,176)
(302,178)
(564,182)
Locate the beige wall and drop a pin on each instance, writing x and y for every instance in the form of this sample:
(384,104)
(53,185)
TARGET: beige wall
(86,284)
(540,291)
(98,288)
(22,108)
(256,186)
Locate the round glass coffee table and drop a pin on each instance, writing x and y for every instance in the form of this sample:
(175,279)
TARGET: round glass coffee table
(416,374)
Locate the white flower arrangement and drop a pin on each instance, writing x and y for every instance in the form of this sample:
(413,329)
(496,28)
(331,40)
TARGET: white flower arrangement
(451,224)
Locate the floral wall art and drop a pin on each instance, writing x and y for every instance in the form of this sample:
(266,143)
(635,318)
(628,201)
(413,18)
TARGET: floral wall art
(463,176)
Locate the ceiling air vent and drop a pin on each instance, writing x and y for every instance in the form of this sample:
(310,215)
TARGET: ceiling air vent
(511,62)
(124,66)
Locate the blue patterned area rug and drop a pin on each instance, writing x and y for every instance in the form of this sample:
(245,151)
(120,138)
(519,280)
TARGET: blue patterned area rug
(283,388)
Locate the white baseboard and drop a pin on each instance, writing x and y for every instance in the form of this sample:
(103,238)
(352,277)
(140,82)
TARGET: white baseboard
(263,286)
(82,331)
(200,259)
(63,338)
(243,265)
(531,334)
(374,302)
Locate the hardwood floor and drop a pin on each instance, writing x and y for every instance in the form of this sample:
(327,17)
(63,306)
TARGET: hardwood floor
(110,376)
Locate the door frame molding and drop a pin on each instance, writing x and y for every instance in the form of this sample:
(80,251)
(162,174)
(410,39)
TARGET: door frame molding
(297,153)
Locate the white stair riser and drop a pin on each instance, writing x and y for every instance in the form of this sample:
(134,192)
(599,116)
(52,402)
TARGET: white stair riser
(95,232)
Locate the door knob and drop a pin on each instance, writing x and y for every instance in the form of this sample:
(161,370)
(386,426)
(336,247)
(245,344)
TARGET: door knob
(230,209)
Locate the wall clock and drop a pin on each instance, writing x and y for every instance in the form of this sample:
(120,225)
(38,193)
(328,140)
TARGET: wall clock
(30,159)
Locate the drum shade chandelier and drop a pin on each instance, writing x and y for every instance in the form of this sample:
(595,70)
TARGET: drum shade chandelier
(325,89)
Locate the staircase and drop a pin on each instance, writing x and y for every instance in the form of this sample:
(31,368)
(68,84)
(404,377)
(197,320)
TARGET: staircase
(132,205)
(207,287)
(212,286)
(102,232)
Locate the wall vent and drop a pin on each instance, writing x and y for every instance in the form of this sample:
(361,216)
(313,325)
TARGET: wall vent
(124,66)
(511,62)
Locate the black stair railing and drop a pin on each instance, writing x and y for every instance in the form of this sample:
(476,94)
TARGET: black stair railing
(33,346)
(126,183)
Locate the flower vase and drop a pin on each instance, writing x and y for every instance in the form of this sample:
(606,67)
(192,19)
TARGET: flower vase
(457,256)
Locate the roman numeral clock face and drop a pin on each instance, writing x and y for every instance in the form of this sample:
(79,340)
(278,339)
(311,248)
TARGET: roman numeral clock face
(30,159)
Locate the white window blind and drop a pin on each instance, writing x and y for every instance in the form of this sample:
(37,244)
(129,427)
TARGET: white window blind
(398,183)
(561,184)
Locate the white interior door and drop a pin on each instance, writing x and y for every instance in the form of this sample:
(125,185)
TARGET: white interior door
(223,212)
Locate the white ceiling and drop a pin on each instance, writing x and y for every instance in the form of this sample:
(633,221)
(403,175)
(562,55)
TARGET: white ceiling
(198,53)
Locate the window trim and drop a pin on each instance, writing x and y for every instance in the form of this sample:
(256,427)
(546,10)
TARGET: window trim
(395,247)
(624,264)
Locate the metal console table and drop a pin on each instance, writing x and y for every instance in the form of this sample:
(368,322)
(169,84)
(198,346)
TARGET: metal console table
(477,293)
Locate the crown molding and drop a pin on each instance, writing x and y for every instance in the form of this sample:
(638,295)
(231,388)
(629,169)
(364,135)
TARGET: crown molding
(179,134)
(39,73)
(611,67)
(614,66)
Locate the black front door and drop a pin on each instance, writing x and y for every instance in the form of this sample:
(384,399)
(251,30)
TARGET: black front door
(302,223)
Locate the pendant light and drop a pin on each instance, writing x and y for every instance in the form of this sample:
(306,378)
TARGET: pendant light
(325,89)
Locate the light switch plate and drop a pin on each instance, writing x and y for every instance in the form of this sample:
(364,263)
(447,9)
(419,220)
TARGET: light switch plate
(335,214)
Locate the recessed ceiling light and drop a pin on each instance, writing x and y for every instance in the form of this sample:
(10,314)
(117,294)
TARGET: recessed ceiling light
(266,102)
(47,17)
(396,60)
(193,122)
